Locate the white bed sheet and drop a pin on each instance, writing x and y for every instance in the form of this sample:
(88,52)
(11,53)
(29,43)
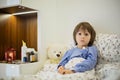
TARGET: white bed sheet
(49,72)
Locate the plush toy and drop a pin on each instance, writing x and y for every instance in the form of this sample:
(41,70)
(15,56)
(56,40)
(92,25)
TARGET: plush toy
(55,52)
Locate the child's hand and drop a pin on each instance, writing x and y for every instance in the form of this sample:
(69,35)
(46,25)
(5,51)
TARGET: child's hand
(61,69)
(68,72)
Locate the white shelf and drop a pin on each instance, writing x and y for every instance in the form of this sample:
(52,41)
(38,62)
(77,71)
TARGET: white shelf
(16,70)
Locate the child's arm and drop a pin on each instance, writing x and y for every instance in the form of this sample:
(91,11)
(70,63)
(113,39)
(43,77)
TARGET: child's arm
(89,63)
(65,59)
(62,70)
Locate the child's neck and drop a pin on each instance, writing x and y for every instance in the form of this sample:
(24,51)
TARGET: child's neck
(81,47)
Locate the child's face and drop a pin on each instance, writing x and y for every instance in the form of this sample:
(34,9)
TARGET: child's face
(82,38)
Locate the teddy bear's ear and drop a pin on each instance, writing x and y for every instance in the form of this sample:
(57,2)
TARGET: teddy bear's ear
(47,52)
(47,49)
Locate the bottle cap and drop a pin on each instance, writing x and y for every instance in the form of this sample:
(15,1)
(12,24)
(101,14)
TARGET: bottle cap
(23,43)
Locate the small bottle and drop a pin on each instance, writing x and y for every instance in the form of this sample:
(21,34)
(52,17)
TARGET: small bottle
(32,57)
(36,57)
(23,51)
(28,56)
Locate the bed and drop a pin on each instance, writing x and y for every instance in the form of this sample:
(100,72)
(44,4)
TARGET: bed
(107,68)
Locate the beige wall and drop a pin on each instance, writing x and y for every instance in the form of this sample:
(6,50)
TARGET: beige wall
(57,18)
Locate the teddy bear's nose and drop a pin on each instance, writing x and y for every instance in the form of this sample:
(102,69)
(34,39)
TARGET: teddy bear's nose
(58,55)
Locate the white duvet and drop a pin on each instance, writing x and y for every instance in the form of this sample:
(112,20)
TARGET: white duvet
(49,72)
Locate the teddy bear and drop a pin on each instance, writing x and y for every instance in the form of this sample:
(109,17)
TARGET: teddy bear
(55,52)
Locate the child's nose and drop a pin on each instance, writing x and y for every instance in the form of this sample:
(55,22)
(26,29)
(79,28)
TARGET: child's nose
(82,36)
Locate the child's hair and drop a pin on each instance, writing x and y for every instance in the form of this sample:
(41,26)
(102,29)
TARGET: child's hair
(85,26)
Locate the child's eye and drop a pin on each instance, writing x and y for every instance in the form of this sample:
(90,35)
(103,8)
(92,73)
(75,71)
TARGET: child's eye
(86,34)
(79,33)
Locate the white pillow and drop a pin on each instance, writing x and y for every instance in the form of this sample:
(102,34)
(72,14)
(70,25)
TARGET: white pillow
(109,47)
